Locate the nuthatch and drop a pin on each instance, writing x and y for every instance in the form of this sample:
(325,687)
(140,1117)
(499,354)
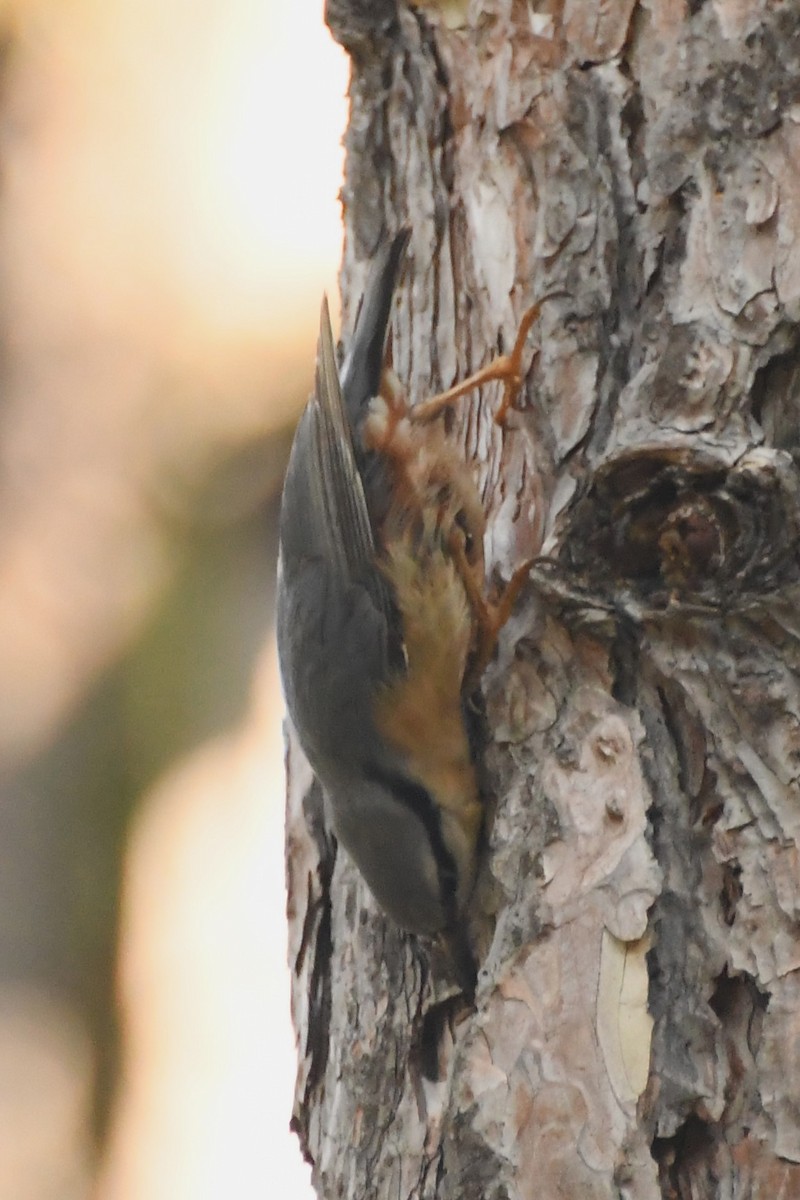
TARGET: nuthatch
(382,623)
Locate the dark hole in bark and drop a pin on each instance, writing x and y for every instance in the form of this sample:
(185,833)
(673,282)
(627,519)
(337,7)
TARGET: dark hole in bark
(684,1160)
(731,891)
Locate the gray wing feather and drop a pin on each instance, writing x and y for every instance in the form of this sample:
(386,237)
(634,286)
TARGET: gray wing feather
(336,487)
(336,624)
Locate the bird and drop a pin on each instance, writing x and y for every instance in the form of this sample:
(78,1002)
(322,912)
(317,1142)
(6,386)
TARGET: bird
(383,623)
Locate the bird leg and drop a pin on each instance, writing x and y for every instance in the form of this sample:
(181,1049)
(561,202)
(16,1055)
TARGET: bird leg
(490,615)
(506,367)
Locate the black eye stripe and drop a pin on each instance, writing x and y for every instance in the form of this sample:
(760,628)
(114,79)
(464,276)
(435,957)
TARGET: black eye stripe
(419,800)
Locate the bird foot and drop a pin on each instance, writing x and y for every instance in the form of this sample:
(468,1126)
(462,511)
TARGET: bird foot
(506,367)
(490,616)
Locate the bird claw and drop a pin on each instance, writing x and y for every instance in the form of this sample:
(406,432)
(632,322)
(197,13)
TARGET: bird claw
(505,367)
(490,616)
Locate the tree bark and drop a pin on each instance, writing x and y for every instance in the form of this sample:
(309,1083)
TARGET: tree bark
(635,1030)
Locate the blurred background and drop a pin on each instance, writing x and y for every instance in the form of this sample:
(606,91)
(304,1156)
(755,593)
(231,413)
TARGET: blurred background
(168,221)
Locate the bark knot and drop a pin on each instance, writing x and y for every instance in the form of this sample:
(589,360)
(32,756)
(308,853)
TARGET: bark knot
(674,522)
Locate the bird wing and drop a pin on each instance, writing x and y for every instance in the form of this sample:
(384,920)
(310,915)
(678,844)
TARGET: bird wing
(336,489)
(334,598)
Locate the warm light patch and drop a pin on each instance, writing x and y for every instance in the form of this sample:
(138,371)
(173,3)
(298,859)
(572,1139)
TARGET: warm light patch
(195,150)
(169,220)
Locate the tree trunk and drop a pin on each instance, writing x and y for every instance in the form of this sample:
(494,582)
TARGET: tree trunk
(635,1030)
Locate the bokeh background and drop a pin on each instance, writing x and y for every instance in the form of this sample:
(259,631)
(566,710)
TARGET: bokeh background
(168,220)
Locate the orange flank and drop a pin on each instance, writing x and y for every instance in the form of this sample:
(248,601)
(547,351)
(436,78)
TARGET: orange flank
(420,712)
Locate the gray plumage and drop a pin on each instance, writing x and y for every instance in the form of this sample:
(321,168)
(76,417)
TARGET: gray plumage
(338,640)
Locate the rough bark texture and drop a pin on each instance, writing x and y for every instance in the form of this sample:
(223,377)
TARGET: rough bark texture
(636,1023)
